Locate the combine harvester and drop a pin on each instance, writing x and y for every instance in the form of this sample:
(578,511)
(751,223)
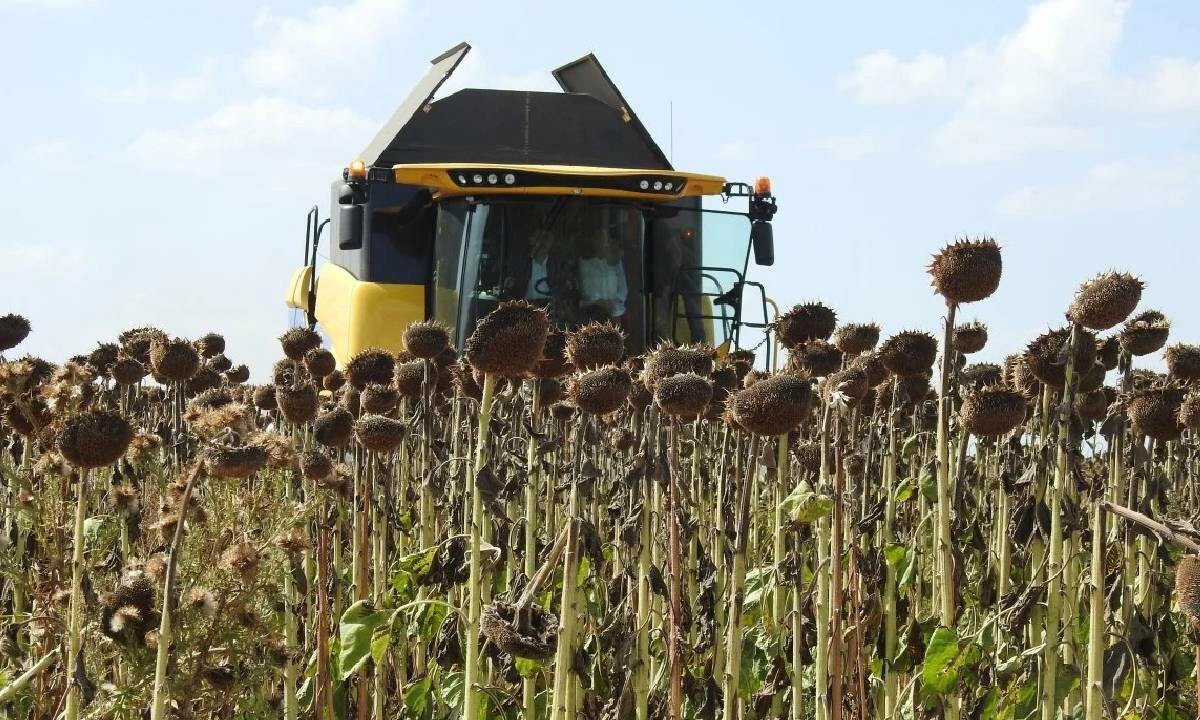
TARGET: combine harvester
(562,199)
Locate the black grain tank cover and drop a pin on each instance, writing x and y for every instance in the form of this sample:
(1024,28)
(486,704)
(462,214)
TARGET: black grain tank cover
(510,127)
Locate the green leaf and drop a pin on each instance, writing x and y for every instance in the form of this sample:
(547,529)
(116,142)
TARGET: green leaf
(356,630)
(417,698)
(904,491)
(753,669)
(585,567)
(527,668)
(100,531)
(928,483)
(967,664)
(380,641)
(1008,667)
(1064,681)
(804,505)
(896,554)
(910,445)
(990,707)
(940,671)
(758,583)
(419,563)
(907,572)
(428,620)
(451,691)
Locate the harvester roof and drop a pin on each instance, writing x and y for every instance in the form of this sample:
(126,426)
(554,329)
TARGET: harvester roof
(587,130)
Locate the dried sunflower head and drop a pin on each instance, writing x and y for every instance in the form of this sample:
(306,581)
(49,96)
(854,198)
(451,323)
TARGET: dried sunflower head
(970,337)
(775,405)
(856,338)
(297,342)
(427,339)
(1105,300)
(805,322)
(13,329)
(685,396)
(967,270)
(993,411)
(94,439)
(595,345)
(600,391)
(1145,333)
(909,353)
(508,341)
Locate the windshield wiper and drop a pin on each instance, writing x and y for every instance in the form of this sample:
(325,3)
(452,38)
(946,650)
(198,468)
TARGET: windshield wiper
(553,211)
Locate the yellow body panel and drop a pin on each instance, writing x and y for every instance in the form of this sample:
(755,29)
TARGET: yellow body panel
(297,292)
(436,176)
(357,315)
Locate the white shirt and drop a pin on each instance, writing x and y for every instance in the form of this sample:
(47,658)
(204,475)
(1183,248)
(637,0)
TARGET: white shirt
(601,280)
(537,273)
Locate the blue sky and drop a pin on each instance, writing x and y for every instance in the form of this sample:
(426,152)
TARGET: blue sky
(157,159)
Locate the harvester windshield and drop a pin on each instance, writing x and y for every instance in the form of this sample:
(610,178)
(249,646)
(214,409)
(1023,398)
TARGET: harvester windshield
(582,260)
(587,259)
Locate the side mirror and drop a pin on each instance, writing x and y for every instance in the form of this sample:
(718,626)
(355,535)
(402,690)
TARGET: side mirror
(762,237)
(350,227)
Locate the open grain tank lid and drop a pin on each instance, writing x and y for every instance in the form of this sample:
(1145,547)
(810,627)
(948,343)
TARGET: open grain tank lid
(588,124)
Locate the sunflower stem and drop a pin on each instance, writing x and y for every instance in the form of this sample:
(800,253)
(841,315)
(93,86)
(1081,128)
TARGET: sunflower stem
(158,706)
(736,594)
(471,693)
(945,557)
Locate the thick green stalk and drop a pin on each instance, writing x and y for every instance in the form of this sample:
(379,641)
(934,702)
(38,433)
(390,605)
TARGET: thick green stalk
(675,579)
(1095,668)
(76,637)
(797,665)
(158,706)
(821,659)
(736,595)
(1054,491)
(379,530)
(475,582)
(10,691)
(533,470)
(564,681)
(641,694)
(718,555)
(291,705)
(835,581)
(891,682)
(323,693)
(945,563)
(945,558)
(19,600)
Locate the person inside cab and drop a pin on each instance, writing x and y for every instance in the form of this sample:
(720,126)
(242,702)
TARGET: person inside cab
(603,286)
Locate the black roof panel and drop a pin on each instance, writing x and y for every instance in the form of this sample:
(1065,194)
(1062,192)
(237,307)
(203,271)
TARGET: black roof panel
(520,127)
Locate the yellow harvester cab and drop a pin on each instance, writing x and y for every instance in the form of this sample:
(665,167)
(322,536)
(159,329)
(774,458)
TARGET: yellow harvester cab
(562,199)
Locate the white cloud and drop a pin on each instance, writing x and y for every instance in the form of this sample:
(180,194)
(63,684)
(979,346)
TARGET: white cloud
(1021,100)
(881,78)
(267,125)
(340,35)
(854,145)
(1119,186)
(1048,86)
(191,87)
(1173,85)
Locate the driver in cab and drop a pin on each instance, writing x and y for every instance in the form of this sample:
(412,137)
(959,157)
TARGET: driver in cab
(599,268)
